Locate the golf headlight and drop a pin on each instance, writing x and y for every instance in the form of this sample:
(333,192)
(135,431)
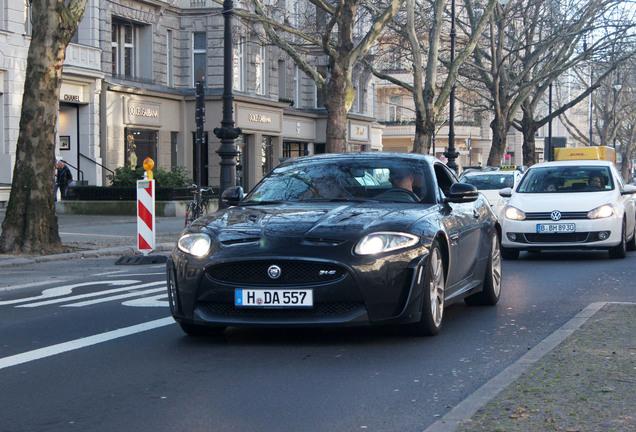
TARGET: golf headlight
(195,244)
(603,211)
(514,213)
(384,242)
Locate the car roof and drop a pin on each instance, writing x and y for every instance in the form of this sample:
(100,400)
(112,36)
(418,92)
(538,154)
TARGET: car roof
(489,172)
(570,163)
(364,156)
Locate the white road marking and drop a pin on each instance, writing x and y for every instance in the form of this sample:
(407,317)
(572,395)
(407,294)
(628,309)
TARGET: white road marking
(154,301)
(31,284)
(66,290)
(92,294)
(52,350)
(117,297)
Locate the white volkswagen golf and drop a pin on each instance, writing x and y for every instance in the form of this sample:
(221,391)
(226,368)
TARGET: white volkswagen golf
(576,204)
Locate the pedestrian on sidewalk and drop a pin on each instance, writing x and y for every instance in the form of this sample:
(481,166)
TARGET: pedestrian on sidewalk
(64,177)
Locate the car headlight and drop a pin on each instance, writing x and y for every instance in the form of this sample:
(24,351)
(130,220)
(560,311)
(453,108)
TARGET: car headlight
(604,211)
(384,242)
(514,213)
(195,244)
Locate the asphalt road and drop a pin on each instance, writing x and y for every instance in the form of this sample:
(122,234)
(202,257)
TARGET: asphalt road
(101,356)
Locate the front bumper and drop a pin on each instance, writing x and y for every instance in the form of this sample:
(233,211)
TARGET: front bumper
(364,292)
(589,234)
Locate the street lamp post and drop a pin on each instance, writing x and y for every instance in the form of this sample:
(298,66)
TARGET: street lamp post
(617,88)
(451,154)
(227,133)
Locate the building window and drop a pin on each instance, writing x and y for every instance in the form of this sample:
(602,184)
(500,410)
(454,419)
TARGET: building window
(174,151)
(199,57)
(28,24)
(393,114)
(297,103)
(139,145)
(123,39)
(239,64)
(282,84)
(169,58)
(261,71)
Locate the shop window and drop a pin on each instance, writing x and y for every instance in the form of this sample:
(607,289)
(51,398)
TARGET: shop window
(202,164)
(139,145)
(199,57)
(267,154)
(294,149)
(241,162)
(173,148)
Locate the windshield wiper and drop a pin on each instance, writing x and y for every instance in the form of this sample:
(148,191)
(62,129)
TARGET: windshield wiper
(250,203)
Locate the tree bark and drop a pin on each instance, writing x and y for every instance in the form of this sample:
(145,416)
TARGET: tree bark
(30,223)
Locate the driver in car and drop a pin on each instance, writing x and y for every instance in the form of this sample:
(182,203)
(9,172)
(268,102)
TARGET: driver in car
(401,178)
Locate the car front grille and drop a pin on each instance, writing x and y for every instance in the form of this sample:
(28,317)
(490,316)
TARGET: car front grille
(291,272)
(319,310)
(576,237)
(564,215)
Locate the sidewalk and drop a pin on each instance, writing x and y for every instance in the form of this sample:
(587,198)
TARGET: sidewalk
(91,236)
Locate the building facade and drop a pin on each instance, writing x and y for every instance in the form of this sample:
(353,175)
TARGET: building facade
(128,92)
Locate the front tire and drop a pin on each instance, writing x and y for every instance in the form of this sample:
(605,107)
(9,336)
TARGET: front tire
(434,292)
(489,296)
(620,250)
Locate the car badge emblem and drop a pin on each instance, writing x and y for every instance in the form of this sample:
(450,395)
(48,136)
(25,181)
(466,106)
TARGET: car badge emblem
(555,215)
(273,271)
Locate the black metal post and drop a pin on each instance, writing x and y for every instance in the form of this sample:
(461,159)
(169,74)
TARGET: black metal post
(227,133)
(199,119)
(550,151)
(451,154)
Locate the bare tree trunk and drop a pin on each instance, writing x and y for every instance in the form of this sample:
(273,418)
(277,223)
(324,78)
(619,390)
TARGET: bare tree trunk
(529,128)
(30,223)
(498,148)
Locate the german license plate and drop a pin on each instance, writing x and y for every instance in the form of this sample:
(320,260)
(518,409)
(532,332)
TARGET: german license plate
(555,228)
(273,298)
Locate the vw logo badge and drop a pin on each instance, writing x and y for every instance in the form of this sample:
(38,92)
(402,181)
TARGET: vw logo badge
(273,271)
(555,215)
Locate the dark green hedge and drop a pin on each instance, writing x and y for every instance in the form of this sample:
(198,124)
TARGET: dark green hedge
(114,193)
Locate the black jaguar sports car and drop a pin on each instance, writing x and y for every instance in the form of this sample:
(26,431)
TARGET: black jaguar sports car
(338,240)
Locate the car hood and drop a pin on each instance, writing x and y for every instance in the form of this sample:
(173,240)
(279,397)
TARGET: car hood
(574,201)
(492,195)
(335,221)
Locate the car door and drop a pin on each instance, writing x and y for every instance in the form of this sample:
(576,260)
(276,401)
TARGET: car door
(627,201)
(464,231)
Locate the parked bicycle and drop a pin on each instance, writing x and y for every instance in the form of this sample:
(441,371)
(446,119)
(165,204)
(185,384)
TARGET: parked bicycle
(196,210)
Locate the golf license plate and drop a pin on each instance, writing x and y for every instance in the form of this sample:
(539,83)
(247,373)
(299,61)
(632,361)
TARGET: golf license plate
(273,298)
(556,228)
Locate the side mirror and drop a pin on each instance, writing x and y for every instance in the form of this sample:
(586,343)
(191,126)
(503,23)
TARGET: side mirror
(462,193)
(628,190)
(506,192)
(232,196)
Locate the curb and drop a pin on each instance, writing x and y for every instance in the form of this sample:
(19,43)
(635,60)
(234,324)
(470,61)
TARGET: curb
(95,253)
(469,406)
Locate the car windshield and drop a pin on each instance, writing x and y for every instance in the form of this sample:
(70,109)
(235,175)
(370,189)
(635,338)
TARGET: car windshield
(566,179)
(387,179)
(495,180)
